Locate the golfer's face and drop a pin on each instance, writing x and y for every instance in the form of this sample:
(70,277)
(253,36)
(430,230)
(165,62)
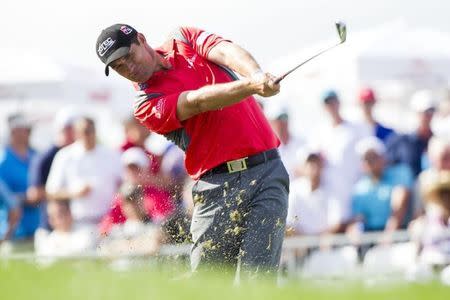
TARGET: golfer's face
(138,64)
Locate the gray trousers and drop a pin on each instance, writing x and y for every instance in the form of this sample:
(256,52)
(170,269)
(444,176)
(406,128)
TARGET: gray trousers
(240,217)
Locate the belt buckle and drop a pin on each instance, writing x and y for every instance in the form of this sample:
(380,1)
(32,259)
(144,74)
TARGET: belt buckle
(237,165)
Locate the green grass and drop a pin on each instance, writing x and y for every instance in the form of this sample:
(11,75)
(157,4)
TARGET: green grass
(86,280)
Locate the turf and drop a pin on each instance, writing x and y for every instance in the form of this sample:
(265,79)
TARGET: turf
(88,280)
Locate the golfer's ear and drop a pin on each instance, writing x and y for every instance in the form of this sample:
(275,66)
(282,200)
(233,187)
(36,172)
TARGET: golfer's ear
(141,38)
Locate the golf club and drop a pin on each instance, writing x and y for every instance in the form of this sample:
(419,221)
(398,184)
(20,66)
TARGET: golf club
(342,31)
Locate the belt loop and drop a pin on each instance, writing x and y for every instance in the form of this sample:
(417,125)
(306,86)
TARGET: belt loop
(265,156)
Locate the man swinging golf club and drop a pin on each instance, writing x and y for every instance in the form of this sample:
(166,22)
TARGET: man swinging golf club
(188,92)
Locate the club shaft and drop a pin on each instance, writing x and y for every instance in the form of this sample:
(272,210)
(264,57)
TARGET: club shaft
(304,62)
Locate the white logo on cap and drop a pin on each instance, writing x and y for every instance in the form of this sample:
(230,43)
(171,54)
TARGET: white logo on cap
(126,30)
(104,47)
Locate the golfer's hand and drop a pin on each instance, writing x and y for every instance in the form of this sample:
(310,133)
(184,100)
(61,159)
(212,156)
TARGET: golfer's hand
(265,84)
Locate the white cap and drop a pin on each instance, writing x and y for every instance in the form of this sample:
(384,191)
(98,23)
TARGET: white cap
(422,101)
(64,118)
(136,156)
(370,143)
(18,121)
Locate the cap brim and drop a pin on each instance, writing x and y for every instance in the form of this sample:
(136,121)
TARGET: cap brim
(120,52)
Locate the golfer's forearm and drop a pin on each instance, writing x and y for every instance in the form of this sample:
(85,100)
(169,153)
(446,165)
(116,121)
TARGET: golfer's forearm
(213,97)
(234,57)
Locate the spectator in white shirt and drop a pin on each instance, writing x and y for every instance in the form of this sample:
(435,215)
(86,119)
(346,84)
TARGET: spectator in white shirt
(86,174)
(311,201)
(336,142)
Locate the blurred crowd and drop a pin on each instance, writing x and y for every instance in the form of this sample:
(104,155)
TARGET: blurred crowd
(346,177)
(362,176)
(80,196)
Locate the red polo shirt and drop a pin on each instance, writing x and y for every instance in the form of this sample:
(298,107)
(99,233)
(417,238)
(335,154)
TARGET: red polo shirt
(211,138)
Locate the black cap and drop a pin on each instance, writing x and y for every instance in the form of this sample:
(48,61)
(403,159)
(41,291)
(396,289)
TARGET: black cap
(114,42)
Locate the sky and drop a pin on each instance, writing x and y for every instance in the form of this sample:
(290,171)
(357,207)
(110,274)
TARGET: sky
(67,30)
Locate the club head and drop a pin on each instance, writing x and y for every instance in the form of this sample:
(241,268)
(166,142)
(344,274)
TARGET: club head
(342,31)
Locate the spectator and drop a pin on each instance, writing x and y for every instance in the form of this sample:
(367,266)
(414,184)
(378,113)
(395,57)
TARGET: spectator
(156,201)
(40,165)
(66,238)
(177,225)
(135,134)
(14,166)
(441,121)
(86,174)
(439,153)
(367,101)
(311,200)
(381,197)
(279,120)
(439,157)
(167,170)
(336,143)
(9,203)
(435,191)
(410,148)
(172,167)
(137,235)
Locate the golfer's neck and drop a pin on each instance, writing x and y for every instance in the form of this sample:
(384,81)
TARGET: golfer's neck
(162,63)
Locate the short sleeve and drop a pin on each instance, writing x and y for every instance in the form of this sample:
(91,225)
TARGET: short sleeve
(201,41)
(157,111)
(403,176)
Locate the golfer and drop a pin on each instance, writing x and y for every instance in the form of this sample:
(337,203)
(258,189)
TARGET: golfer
(188,92)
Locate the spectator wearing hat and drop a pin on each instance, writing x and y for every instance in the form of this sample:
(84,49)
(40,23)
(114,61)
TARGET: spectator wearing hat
(435,225)
(336,142)
(381,197)
(410,148)
(85,173)
(367,101)
(278,117)
(311,199)
(156,201)
(15,162)
(439,156)
(40,165)
(167,166)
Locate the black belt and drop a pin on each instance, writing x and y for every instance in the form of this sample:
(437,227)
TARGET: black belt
(245,163)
